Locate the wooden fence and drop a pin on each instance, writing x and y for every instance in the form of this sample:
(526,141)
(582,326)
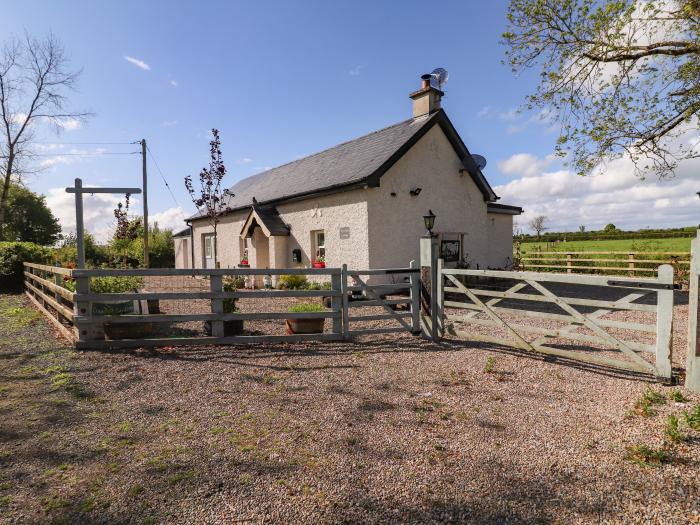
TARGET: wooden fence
(74,314)
(633,264)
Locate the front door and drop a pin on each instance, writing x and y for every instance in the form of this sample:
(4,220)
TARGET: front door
(209,249)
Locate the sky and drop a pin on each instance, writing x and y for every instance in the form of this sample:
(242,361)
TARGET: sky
(285,79)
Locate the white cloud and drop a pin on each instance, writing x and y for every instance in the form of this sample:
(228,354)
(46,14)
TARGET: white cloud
(169,123)
(484,111)
(170,219)
(138,63)
(70,124)
(244,160)
(614,193)
(524,164)
(174,83)
(510,115)
(354,72)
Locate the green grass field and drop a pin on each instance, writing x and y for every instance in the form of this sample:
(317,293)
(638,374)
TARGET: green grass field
(673,244)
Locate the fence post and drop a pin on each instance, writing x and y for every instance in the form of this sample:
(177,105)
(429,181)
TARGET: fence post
(428,262)
(58,281)
(569,264)
(415,299)
(88,329)
(630,264)
(692,369)
(438,331)
(337,302)
(664,322)
(346,301)
(217,305)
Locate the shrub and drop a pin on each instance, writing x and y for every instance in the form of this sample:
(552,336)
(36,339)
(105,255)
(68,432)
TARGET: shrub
(293,282)
(319,286)
(305,307)
(12,257)
(115,284)
(230,284)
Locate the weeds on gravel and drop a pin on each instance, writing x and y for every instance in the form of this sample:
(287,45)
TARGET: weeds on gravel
(692,418)
(677,396)
(490,366)
(5,501)
(646,456)
(643,406)
(672,430)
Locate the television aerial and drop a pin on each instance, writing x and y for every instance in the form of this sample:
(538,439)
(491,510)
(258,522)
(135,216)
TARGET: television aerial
(438,77)
(479,160)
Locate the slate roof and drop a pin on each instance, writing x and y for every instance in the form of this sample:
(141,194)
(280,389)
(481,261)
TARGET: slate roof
(270,218)
(357,162)
(182,233)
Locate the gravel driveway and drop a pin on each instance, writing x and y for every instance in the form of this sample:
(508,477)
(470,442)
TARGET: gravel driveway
(389,430)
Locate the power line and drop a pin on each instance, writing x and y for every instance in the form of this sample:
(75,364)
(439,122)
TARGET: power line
(162,176)
(74,143)
(78,154)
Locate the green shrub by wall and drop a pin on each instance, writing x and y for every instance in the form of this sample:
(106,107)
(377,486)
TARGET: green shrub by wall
(12,255)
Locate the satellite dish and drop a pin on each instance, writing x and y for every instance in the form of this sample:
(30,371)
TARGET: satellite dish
(480,161)
(438,76)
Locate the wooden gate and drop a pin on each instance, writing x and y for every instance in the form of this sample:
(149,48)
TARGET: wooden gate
(588,310)
(404,290)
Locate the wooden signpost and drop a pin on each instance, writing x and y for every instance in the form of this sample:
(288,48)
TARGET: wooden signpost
(79,226)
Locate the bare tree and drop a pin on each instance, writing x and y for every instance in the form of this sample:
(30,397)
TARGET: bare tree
(538,224)
(211,199)
(34,79)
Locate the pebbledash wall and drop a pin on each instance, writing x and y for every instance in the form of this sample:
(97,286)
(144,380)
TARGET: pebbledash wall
(383,228)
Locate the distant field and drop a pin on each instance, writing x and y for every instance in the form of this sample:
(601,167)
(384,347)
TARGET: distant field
(673,244)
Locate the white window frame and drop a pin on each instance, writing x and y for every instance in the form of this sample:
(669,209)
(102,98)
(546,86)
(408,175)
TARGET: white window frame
(319,247)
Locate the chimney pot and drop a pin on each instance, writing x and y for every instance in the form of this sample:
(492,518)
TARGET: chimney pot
(427,99)
(426,81)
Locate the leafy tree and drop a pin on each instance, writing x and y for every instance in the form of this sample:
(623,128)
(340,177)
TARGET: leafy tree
(539,224)
(610,228)
(582,228)
(211,199)
(29,219)
(621,76)
(34,80)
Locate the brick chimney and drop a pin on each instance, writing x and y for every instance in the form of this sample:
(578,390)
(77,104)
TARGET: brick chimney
(427,99)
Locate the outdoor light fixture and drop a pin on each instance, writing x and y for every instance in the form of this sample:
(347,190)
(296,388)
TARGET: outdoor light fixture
(429,221)
(415,191)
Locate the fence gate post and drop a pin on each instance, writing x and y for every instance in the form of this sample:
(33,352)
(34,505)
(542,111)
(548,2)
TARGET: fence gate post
(337,302)
(346,301)
(664,322)
(415,299)
(428,262)
(692,369)
(439,298)
(88,330)
(217,305)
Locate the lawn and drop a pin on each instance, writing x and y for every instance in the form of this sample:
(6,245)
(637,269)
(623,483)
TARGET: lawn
(675,244)
(389,430)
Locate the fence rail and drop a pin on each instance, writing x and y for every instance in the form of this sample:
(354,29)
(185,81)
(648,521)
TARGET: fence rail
(631,263)
(44,287)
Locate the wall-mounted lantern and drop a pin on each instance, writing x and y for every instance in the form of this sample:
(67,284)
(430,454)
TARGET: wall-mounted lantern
(296,255)
(429,221)
(415,191)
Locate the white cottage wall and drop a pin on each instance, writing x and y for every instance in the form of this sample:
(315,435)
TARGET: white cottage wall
(228,239)
(500,244)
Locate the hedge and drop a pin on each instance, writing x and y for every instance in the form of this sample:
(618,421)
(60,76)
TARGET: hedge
(12,255)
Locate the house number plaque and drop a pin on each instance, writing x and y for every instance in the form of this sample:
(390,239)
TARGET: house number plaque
(345,232)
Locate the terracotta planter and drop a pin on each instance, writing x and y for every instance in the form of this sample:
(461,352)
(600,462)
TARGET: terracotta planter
(305,326)
(317,264)
(233,327)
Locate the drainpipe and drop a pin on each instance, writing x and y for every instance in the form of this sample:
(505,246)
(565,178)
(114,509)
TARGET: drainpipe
(191,245)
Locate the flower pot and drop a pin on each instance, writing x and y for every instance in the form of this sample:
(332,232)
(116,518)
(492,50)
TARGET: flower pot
(233,327)
(305,326)
(317,264)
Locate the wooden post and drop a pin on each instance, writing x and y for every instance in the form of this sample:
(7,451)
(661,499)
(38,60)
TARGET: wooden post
(692,369)
(439,299)
(145,204)
(428,263)
(346,301)
(415,299)
(664,322)
(569,264)
(87,329)
(630,264)
(79,227)
(337,302)
(58,281)
(217,305)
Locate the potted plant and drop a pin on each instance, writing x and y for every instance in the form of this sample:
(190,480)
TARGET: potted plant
(244,263)
(233,326)
(319,262)
(313,325)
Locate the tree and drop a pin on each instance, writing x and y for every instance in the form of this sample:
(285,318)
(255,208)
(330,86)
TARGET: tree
(621,76)
(582,228)
(211,199)
(610,228)
(34,78)
(28,218)
(538,224)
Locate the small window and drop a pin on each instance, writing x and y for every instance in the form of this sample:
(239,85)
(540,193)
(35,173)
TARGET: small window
(320,245)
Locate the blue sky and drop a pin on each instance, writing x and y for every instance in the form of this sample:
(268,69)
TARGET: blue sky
(285,79)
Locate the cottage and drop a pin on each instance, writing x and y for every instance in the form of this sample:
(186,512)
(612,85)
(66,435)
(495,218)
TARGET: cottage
(362,203)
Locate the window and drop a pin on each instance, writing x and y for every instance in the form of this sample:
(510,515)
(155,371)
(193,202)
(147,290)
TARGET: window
(319,245)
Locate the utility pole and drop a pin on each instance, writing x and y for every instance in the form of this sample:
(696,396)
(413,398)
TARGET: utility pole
(145,205)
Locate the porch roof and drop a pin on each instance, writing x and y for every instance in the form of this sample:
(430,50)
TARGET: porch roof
(268,218)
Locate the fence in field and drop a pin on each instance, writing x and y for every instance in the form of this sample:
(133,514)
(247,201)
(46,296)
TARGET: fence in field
(633,264)
(75,313)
